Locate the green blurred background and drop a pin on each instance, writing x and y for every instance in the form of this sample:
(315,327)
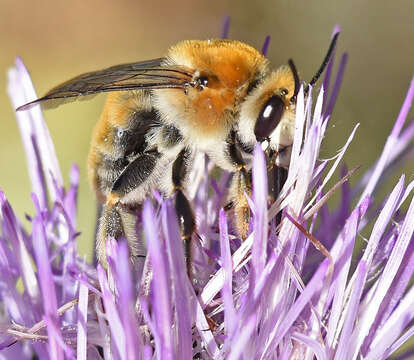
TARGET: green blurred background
(61,39)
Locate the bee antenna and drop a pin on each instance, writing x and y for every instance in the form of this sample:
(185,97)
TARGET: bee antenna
(295,76)
(325,62)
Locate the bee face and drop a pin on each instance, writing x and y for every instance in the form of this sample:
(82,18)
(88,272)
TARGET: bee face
(268,113)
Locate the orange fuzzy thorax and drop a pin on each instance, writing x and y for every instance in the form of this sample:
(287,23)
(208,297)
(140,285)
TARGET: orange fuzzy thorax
(229,67)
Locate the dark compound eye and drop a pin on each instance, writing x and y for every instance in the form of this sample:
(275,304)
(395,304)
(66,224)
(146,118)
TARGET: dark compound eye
(284,92)
(269,117)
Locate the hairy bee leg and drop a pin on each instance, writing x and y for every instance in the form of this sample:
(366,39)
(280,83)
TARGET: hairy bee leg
(182,205)
(110,225)
(241,185)
(276,179)
(117,221)
(135,173)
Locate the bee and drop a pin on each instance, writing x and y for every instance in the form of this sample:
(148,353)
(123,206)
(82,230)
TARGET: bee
(218,97)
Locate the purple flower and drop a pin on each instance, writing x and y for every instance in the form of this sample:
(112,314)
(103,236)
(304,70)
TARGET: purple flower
(271,297)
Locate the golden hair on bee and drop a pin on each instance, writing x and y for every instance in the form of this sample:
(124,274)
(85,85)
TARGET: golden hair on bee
(216,97)
(224,70)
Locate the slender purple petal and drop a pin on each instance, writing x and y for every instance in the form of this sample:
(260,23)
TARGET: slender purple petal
(259,250)
(82,320)
(275,337)
(18,96)
(161,280)
(265,46)
(216,283)
(103,327)
(344,343)
(47,286)
(240,345)
(55,335)
(126,300)
(21,91)
(396,291)
(179,281)
(286,354)
(342,265)
(13,232)
(114,321)
(225,27)
(71,198)
(314,345)
(395,325)
(394,161)
(385,280)
(408,334)
(204,331)
(337,85)
(331,171)
(390,143)
(228,302)
(382,221)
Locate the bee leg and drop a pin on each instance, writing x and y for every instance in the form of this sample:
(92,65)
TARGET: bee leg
(119,220)
(182,205)
(276,179)
(241,185)
(110,225)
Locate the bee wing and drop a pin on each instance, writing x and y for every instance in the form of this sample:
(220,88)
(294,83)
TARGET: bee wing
(152,74)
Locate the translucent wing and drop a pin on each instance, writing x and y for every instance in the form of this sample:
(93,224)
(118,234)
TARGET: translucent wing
(152,74)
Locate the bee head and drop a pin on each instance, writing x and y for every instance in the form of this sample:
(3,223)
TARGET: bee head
(268,113)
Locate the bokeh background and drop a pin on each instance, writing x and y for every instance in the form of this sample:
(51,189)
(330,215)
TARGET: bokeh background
(61,39)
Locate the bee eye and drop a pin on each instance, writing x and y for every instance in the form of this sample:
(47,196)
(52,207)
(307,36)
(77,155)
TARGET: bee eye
(269,117)
(284,92)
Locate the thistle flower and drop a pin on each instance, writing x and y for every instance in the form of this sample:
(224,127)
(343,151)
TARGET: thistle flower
(271,297)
